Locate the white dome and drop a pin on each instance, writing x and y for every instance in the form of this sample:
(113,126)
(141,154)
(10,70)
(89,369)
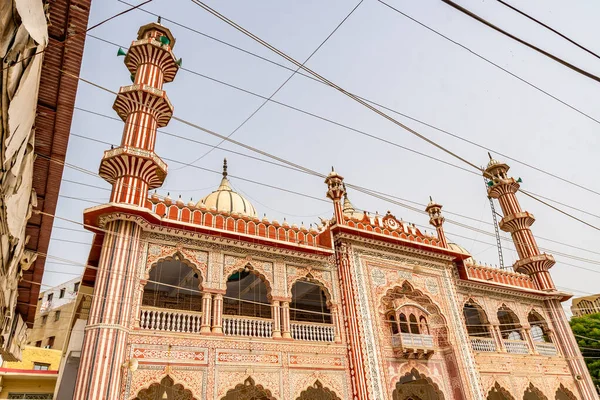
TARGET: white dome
(225,200)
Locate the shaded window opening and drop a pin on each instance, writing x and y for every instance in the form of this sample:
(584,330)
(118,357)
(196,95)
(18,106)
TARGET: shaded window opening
(476,321)
(246,295)
(309,303)
(391,320)
(510,328)
(539,327)
(173,284)
(403,324)
(414,326)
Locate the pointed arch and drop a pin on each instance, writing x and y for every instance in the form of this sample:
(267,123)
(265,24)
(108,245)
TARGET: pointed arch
(510,326)
(166,388)
(476,319)
(248,390)
(539,327)
(310,301)
(173,282)
(533,393)
(415,385)
(497,392)
(562,393)
(318,392)
(248,293)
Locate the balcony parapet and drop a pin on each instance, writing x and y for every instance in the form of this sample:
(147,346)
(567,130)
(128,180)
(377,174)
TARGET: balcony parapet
(481,344)
(312,332)
(412,345)
(247,326)
(160,319)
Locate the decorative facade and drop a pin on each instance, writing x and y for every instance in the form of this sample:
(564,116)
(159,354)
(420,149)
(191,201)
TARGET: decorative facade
(208,301)
(586,305)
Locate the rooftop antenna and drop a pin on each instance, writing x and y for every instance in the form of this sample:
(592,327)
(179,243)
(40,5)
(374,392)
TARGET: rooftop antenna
(498,242)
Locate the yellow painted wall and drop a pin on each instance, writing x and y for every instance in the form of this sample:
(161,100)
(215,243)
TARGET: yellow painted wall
(33,354)
(15,385)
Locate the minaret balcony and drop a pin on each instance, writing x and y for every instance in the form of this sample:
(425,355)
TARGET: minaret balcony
(412,345)
(533,264)
(503,186)
(516,222)
(144,98)
(134,162)
(152,51)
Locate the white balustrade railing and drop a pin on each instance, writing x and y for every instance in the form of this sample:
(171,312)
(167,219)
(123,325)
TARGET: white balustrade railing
(516,346)
(313,332)
(160,319)
(546,348)
(247,326)
(412,340)
(481,344)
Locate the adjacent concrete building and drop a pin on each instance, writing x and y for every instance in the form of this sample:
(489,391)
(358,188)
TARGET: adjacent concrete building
(33,378)
(586,305)
(53,317)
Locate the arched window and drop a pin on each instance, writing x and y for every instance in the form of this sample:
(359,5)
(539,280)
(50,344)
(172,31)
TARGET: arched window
(539,327)
(309,303)
(476,320)
(403,324)
(423,326)
(172,284)
(510,328)
(414,326)
(246,295)
(391,320)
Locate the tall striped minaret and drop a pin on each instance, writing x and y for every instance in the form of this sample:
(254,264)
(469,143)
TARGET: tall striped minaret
(132,168)
(518,222)
(537,265)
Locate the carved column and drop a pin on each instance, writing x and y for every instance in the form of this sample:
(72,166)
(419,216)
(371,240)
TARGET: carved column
(206,305)
(335,316)
(276,312)
(498,336)
(285,320)
(526,333)
(217,322)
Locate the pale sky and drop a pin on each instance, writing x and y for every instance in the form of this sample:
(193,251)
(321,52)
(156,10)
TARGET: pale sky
(383,56)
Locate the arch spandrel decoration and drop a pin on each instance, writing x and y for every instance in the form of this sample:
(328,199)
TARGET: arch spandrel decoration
(498,392)
(143,379)
(248,390)
(233,265)
(299,383)
(197,260)
(427,389)
(166,388)
(317,392)
(310,279)
(533,393)
(562,393)
(320,277)
(267,381)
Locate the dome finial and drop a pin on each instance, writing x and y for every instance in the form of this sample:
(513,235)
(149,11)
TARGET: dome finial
(159,19)
(224,168)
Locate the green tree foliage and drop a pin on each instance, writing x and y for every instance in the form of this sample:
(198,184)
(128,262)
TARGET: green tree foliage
(587,331)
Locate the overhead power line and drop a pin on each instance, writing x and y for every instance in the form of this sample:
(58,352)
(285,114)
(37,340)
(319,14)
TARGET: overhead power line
(548,27)
(350,95)
(568,181)
(492,63)
(244,122)
(71,36)
(523,42)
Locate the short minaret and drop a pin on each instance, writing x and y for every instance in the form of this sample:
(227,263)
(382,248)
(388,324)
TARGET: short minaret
(437,220)
(133,168)
(335,191)
(518,222)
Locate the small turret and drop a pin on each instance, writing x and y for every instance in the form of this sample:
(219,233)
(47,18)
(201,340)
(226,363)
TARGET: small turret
(437,220)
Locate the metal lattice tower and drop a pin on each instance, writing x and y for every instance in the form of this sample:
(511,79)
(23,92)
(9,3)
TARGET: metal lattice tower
(498,242)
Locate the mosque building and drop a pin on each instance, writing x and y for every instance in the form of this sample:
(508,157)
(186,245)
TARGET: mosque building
(207,300)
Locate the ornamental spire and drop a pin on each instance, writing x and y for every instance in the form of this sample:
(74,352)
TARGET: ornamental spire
(224,168)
